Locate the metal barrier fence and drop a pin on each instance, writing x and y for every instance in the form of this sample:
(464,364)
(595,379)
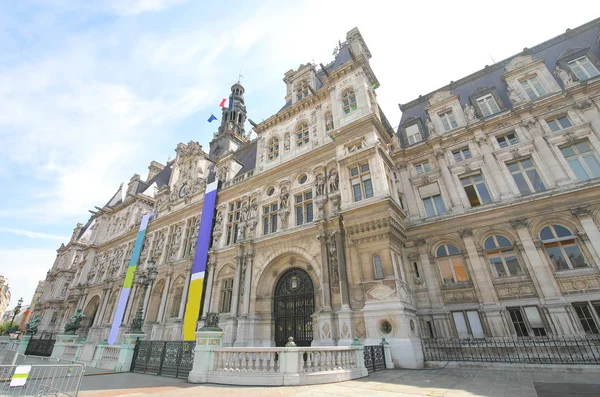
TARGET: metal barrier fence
(10,357)
(40,380)
(374,358)
(533,350)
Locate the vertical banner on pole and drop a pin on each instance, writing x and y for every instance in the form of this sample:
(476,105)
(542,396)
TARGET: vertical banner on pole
(192,307)
(124,295)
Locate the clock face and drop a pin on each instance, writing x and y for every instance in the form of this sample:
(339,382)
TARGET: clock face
(183,191)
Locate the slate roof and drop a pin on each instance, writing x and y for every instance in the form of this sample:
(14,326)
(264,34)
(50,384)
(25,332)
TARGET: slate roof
(246,155)
(584,36)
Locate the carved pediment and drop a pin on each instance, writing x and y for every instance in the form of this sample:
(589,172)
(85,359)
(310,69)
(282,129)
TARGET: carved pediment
(439,97)
(518,62)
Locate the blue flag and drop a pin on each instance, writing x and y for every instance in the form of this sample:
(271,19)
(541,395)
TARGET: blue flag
(211,118)
(230,103)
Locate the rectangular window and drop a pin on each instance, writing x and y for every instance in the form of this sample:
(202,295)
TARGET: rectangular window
(270,218)
(360,179)
(413,135)
(233,218)
(468,324)
(583,160)
(507,140)
(304,207)
(583,68)
(526,176)
(527,321)
(476,190)
(462,154)
(488,106)
(586,318)
(533,87)
(423,167)
(434,205)
(226,291)
(448,120)
(558,123)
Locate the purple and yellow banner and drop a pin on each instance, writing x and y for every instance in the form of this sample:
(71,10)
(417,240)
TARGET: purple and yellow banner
(122,303)
(192,307)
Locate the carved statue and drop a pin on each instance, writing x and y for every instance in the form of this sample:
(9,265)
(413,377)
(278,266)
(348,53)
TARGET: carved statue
(286,141)
(470,113)
(33,324)
(328,122)
(430,127)
(74,322)
(320,184)
(514,96)
(211,323)
(284,197)
(218,221)
(564,76)
(333,181)
(253,209)
(244,212)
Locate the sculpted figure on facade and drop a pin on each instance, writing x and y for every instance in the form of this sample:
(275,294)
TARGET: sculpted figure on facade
(564,76)
(514,96)
(218,229)
(320,185)
(328,122)
(286,141)
(175,242)
(333,181)
(284,198)
(470,113)
(430,126)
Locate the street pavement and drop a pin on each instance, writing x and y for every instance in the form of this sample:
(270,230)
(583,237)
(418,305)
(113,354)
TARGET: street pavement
(450,382)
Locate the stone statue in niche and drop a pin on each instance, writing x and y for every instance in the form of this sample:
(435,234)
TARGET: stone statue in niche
(470,113)
(286,141)
(328,122)
(253,210)
(244,212)
(430,126)
(514,96)
(284,197)
(333,181)
(320,185)
(313,117)
(564,76)
(218,222)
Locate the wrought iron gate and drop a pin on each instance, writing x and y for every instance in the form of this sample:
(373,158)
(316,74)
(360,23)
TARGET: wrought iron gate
(167,358)
(41,346)
(374,358)
(294,305)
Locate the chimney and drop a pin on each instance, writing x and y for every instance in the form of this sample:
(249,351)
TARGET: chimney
(153,169)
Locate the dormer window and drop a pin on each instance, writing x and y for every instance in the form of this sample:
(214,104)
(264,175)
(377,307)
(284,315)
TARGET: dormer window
(302,90)
(533,87)
(301,134)
(413,134)
(583,68)
(487,105)
(349,101)
(448,120)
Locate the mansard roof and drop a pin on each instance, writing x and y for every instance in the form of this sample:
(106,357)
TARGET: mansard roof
(584,36)
(246,155)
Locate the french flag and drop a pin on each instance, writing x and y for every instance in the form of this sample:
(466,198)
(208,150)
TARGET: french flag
(223,102)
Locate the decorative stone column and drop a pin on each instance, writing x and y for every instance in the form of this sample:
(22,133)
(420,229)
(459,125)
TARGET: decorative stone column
(590,228)
(455,200)
(207,339)
(163,298)
(433,285)
(409,193)
(492,165)
(559,175)
(186,286)
(103,303)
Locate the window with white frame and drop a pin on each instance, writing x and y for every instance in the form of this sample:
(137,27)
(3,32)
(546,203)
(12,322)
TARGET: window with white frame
(476,190)
(533,87)
(526,176)
(527,321)
(226,292)
(468,324)
(434,205)
(233,218)
(451,263)
(558,123)
(583,68)
(270,218)
(462,154)
(586,311)
(302,134)
(273,148)
(488,106)
(413,134)
(448,120)
(360,179)
(349,101)
(582,159)
(507,139)
(562,248)
(377,267)
(502,257)
(422,167)
(304,207)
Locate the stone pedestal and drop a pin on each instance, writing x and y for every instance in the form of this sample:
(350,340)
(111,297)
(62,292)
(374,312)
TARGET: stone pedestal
(61,341)
(206,342)
(23,343)
(127,349)
(323,332)
(344,326)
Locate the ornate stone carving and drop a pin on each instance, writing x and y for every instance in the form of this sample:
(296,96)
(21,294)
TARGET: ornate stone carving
(430,127)
(465,232)
(580,211)
(420,241)
(320,185)
(519,222)
(585,104)
(175,242)
(470,113)
(328,122)
(564,76)
(514,96)
(381,292)
(333,181)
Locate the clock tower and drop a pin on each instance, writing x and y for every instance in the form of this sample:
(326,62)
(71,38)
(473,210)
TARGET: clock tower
(231,134)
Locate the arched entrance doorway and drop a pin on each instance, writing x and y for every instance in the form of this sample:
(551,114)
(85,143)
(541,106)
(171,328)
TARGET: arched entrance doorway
(294,305)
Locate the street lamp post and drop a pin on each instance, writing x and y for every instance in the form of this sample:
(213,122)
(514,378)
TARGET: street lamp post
(16,311)
(144,279)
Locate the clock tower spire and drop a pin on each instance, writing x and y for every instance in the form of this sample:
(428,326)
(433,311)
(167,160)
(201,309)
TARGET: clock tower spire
(231,134)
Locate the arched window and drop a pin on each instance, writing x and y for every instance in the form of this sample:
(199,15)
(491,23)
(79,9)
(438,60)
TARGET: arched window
(561,247)
(349,101)
(302,134)
(451,263)
(502,256)
(377,267)
(273,148)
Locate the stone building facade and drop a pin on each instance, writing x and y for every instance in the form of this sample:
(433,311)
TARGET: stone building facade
(4,294)
(477,217)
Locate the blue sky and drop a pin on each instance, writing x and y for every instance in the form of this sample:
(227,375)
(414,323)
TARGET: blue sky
(92,91)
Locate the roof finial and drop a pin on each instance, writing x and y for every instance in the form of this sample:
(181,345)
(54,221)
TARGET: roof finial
(240,78)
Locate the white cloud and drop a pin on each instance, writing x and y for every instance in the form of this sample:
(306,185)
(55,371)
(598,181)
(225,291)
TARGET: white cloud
(134,7)
(24,268)
(32,234)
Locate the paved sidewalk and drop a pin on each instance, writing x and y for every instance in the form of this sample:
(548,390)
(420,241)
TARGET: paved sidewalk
(450,382)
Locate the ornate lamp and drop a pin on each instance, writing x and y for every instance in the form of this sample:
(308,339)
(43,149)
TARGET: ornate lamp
(144,279)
